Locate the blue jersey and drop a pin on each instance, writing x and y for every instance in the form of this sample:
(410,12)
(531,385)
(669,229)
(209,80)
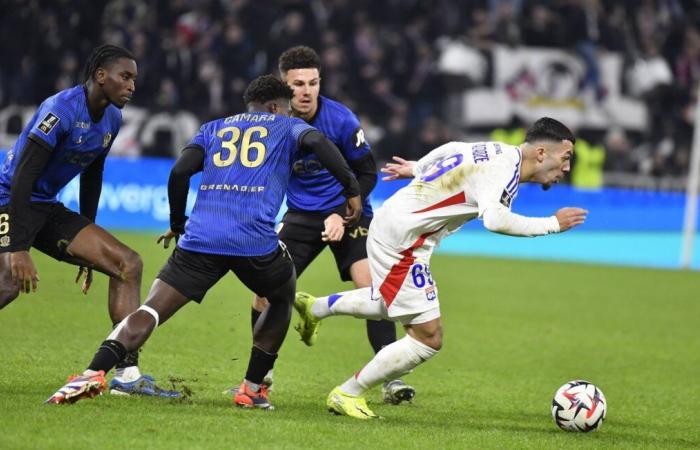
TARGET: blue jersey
(247,164)
(312,187)
(64,124)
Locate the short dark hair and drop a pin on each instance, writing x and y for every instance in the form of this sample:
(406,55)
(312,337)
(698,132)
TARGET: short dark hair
(549,129)
(102,56)
(265,88)
(299,57)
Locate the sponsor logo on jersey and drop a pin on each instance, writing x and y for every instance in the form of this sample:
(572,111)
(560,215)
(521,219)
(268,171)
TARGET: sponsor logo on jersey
(359,231)
(360,138)
(48,123)
(307,166)
(231,187)
(83,125)
(106,140)
(506,199)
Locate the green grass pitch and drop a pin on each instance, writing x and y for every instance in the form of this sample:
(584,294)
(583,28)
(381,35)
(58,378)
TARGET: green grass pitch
(514,332)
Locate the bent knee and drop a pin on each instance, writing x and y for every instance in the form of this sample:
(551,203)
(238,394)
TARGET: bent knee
(434,342)
(131,265)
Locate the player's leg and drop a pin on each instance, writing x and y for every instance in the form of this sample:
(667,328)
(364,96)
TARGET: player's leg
(271,276)
(185,276)
(303,243)
(9,291)
(94,247)
(381,333)
(422,341)
(98,249)
(351,259)
(129,335)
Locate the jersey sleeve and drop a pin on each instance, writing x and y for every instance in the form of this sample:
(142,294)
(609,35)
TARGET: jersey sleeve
(299,128)
(495,185)
(199,139)
(53,123)
(354,145)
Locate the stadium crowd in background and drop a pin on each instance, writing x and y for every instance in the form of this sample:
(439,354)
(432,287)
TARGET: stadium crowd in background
(385,59)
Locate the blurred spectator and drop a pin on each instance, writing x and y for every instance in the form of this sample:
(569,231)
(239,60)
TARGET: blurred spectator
(403,65)
(618,149)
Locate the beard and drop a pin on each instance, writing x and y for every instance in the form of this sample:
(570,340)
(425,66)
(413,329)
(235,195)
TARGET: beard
(546,186)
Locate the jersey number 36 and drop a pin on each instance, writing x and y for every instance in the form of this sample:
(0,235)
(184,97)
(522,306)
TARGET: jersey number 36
(229,146)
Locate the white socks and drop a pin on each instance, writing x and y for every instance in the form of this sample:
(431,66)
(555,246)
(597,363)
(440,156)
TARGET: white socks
(127,374)
(390,363)
(356,303)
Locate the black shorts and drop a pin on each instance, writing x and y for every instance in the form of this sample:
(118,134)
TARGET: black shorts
(52,228)
(301,233)
(192,274)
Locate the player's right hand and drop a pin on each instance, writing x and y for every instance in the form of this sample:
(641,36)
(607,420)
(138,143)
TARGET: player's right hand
(354,210)
(334,228)
(404,169)
(23,271)
(570,217)
(167,237)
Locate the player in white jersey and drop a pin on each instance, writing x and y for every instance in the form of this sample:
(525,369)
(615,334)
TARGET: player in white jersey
(453,184)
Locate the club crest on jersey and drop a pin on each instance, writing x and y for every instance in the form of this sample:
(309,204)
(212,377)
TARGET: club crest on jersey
(430,293)
(106,140)
(506,198)
(48,123)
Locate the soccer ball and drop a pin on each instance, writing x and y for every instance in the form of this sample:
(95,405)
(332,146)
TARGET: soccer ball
(579,406)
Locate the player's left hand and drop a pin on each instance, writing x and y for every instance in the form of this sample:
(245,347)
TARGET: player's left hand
(334,228)
(167,237)
(402,168)
(87,282)
(354,211)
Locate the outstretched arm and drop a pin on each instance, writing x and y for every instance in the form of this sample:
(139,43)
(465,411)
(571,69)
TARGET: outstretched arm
(501,220)
(400,169)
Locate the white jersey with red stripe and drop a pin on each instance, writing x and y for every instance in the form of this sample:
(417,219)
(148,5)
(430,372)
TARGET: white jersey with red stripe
(452,185)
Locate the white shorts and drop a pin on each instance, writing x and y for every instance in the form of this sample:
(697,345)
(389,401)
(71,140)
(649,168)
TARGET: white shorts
(402,279)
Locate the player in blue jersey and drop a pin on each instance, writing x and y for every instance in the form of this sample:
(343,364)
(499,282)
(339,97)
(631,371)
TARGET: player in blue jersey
(246,161)
(70,134)
(315,201)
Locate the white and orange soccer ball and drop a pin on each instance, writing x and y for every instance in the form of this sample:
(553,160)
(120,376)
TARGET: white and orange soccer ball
(579,406)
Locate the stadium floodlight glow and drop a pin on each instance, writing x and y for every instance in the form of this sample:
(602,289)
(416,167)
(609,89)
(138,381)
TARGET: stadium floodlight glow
(691,197)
